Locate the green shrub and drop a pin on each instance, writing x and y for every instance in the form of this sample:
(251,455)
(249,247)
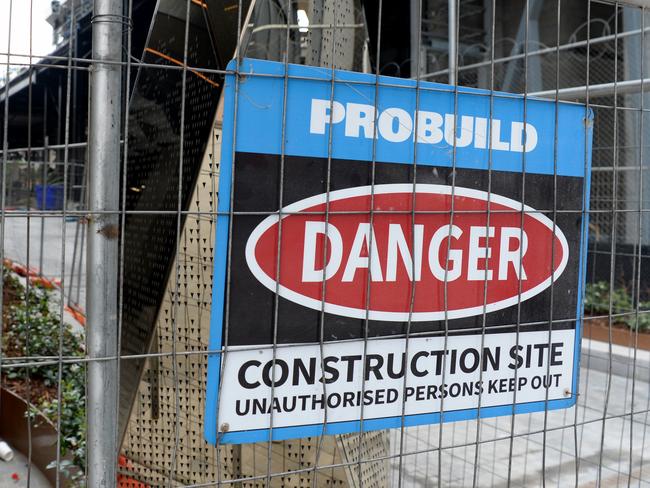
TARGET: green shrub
(32,330)
(597,302)
(73,413)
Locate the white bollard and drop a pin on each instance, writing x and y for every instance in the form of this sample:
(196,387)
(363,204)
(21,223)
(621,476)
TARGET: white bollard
(6,453)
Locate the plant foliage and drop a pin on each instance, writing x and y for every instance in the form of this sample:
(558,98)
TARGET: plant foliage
(623,307)
(32,330)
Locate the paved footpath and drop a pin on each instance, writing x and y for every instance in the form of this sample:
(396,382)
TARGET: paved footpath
(603,459)
(13,474)
(16,248)
(607,460)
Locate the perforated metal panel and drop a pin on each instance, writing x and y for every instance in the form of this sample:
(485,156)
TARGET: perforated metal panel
(151,437)
(335,48)
(164,433)
(164,437)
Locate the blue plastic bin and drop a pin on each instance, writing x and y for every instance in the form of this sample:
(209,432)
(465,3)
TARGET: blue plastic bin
(53,197)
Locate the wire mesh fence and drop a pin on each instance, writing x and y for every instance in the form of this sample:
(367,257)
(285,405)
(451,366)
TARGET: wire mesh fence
(131,169)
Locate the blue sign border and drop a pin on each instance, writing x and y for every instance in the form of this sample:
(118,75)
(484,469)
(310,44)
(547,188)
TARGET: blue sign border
(570,147)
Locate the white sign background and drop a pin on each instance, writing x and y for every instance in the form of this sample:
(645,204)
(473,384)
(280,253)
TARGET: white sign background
(497,387)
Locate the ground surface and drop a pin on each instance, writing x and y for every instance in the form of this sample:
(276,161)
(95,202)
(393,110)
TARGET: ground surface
(571,447)
(13,474)
(560,448)
(51,260)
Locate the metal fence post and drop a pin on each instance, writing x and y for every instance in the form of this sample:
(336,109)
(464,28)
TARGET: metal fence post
(452,19)
(102,270)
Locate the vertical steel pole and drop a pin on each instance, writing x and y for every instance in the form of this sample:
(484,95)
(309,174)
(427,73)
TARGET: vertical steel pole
(451,29)
(102,258)
(415,20)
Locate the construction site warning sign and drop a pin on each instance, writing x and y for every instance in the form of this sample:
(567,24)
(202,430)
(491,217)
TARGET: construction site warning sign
(394,254)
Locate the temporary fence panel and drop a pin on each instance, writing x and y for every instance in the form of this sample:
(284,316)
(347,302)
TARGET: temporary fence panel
(395,83)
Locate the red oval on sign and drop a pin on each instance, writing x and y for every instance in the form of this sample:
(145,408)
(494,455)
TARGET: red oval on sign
(488,263)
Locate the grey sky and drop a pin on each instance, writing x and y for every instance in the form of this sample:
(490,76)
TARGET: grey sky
(41,32)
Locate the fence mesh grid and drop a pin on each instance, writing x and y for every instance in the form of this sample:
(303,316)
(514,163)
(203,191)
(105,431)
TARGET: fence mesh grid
(173,68)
